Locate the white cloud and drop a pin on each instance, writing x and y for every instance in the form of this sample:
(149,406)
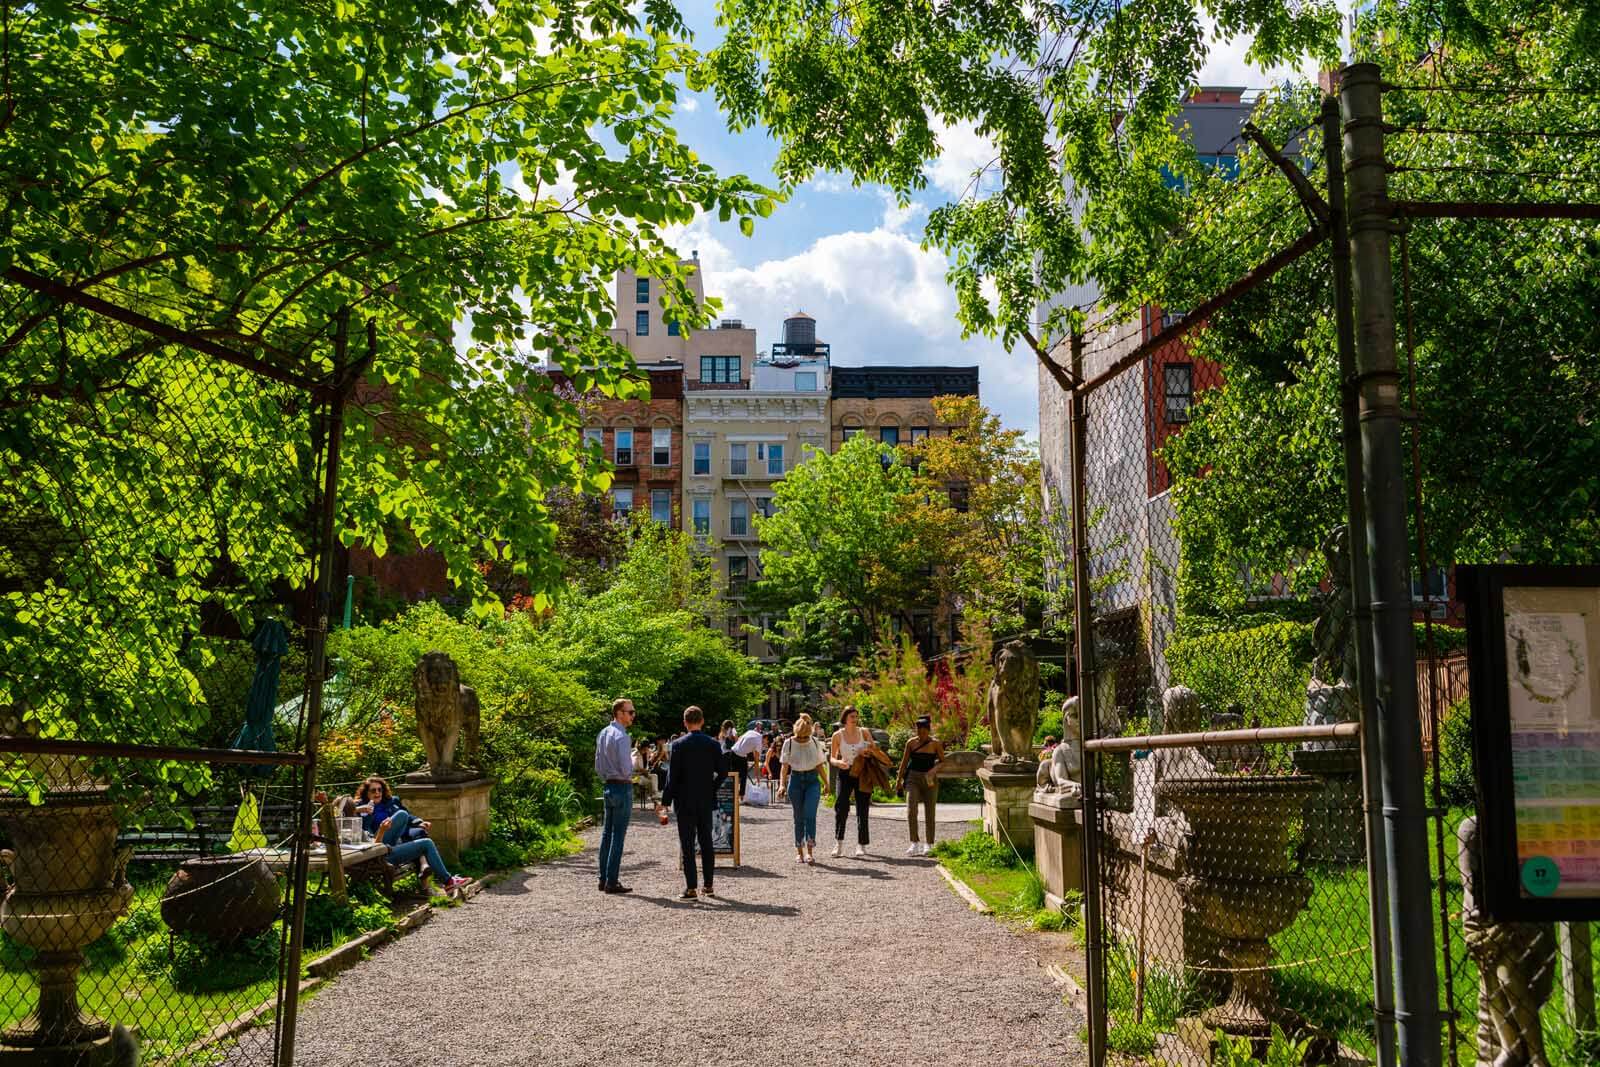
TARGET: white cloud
(878,298)
(1226,64)
(895,217)
(688,102)
(830,183)
(962,152)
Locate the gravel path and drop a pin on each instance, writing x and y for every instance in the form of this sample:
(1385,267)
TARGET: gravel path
(854,962)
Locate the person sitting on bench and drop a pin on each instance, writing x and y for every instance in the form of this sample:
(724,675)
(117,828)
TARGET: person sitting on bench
(406,835)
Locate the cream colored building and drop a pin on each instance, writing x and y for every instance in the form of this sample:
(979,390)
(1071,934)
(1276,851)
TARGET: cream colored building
(645,329)
(740,440)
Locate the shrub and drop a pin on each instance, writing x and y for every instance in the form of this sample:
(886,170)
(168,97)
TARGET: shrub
(977,851)
(1263,669)
(194,964)
(1457,785)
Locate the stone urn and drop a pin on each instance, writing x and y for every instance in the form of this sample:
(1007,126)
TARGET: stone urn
(68,886)
(223,898)
(1239,880)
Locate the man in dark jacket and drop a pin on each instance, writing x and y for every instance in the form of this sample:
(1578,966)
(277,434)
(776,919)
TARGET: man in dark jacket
(696,771)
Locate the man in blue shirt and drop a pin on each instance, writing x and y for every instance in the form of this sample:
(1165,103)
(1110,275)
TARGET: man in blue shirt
(613,765)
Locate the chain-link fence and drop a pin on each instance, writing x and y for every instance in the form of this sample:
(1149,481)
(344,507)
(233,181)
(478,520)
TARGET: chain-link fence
(165,518)
(1502,374)
(1233,777)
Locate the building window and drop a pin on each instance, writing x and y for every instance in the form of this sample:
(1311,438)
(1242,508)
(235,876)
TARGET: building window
(889,435)
(702,516)
(720,370)
(919,433)
(764,506)
(1436,586)
(661,446)
(736,631)
(958,497)
(621,501)
(661,506)
(1178,379)
(738,518)
(641,291)
(738,571)
(851,431)
(623,452)
(738,459)
(672,328)
(641,323)
(596,436)
(775,459)
(702,457)
(805,381)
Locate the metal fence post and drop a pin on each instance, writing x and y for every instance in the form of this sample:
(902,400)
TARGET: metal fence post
(1385,496)
(315,668)
(1083,635)
(1361,592)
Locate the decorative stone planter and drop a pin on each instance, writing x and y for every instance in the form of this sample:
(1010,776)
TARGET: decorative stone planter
(224,898)
(1240,883)
(68,888)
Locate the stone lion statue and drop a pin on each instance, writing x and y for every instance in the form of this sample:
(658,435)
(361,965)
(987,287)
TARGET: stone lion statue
(444,706)
(1014,703)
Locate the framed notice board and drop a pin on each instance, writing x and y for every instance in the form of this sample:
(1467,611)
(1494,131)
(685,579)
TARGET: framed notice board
(1533,648)
(725,819)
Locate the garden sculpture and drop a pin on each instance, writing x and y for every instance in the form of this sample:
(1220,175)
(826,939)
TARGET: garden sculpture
(1516,969)
(1334,632)
(1180,714)
(443,707)
(1062,775)
(1013,704)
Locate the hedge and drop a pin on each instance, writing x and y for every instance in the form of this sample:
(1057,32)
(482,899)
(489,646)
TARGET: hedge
(1265,669)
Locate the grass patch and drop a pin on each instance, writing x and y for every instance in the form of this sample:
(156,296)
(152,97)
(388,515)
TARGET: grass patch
(1003,877)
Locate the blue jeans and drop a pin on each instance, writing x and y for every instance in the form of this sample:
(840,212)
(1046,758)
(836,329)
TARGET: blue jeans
(405,852)
(805,793)
(619,805)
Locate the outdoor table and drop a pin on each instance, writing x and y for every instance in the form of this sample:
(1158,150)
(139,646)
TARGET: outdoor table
(278,859)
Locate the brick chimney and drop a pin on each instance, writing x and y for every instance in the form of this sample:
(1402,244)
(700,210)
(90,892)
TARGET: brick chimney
(1216,94)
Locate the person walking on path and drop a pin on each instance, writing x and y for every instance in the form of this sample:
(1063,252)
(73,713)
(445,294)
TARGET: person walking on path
(613,765)
(923,755)
(802,759)
(697,769)
(747,747)
(846,744)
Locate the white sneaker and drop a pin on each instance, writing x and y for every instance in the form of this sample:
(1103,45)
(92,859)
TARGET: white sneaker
(838,849)
(912,849)
(861,853)
(922,849)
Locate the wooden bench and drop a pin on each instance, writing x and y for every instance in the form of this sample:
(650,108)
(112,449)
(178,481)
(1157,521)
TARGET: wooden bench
(208,836)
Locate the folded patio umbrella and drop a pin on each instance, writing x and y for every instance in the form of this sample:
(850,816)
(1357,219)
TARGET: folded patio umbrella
(271,642)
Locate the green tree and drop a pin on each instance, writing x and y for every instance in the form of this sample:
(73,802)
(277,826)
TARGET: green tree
(847,550)
(242,174)
(998,541)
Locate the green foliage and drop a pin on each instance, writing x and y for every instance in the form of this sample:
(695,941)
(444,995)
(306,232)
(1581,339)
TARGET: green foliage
(194,964)
(1130,1038)
(1457,784)
(329,922)
(977,851)
(428,167)
(1281,1051)
(1264,669)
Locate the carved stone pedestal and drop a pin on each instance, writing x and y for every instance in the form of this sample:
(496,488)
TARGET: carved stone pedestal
(1335,822)
(1058,846)
(459,812)
(1007,792)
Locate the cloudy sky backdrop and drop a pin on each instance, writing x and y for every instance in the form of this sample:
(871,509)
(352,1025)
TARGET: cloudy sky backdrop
(852,257)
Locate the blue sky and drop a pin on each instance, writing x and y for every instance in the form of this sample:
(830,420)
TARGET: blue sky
(851,257)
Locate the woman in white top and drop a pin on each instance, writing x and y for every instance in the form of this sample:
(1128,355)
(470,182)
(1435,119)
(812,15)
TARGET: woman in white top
(801,778)
(850,741)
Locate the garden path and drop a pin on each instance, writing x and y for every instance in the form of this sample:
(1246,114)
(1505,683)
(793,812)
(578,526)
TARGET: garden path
(859,962)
